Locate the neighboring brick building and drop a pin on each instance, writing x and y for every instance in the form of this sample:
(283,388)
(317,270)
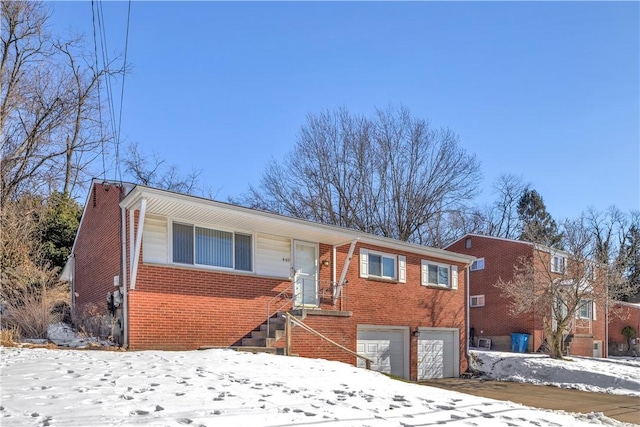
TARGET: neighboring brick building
(201,273)
(489,315)
(624,314)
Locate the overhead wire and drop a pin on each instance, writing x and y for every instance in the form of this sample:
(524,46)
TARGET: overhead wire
(105,63)
(126,48)
(100,121)
(98,11)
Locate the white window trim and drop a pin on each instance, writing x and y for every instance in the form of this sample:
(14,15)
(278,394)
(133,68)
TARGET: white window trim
(400,265)
(170,222)
(553,264)
(479,263)
(453,275)
(590,306)
(480,300)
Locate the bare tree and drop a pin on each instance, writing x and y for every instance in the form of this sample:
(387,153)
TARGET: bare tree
(389,175)
(502,219)
(558,295)
(154,172)
(49,118)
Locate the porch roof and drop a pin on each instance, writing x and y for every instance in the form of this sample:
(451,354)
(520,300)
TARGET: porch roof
(203,211)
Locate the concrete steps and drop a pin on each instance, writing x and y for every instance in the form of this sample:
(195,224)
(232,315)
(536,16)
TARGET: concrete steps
(259,338)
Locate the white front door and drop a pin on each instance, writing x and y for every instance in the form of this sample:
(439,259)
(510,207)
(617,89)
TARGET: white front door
(305,264)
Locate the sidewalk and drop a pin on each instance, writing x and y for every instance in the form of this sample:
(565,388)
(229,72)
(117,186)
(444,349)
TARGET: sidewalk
(621,408)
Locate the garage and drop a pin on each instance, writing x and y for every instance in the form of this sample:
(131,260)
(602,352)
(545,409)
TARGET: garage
(438,353)
(388,348)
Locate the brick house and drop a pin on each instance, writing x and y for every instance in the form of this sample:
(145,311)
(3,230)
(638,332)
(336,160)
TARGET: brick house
(178,272)
(489,318)
(624,314)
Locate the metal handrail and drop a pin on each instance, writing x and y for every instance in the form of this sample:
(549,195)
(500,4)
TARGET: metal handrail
(291,319)
(281,296)
(288,295)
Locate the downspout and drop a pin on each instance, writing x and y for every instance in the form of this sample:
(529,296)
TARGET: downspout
(466,319)
(125,299)
(605,344)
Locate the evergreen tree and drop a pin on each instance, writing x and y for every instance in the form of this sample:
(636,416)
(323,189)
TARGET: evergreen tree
(57,229)
(537,224)
(633,263)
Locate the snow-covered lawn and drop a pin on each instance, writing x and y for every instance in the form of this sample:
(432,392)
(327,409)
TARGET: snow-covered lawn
(43,387)
(614,376)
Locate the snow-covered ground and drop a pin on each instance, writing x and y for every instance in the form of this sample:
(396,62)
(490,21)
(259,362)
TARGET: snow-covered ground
(614,376)
(42,387)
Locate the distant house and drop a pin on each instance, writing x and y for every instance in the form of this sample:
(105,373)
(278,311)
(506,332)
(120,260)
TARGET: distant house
(489,317)
(173,271)
(624,314)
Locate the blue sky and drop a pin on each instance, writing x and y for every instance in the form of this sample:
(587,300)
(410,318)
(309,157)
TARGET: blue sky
(545,90)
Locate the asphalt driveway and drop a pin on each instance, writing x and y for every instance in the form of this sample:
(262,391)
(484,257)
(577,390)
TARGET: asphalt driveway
(621,408)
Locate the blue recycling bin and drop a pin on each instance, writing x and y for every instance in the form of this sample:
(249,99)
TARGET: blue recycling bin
(519,342)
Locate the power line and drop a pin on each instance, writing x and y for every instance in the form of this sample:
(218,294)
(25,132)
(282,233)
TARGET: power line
(126,48)
(105,64)
(95,49)
(97,10)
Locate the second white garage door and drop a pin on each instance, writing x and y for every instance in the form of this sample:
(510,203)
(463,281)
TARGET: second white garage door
(438,354)
(386,347)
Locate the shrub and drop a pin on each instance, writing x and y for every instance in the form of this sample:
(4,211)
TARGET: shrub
(33,298)
(9,337)
(629,333)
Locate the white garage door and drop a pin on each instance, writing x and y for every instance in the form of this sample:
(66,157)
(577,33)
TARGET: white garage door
(386,347)
(438,354)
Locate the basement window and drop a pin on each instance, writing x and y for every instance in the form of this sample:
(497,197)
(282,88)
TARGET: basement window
(477,264)
(476,301)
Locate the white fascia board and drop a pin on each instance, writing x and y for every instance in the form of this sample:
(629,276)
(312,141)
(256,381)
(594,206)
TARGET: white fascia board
(132,201)
(418,249)
(484,236)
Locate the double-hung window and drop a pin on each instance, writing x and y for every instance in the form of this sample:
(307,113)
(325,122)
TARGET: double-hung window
(557,264)
(382,265)
(434,274)
(216,248)
(584,311)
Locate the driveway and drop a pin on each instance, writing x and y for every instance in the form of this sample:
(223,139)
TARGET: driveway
(621,408)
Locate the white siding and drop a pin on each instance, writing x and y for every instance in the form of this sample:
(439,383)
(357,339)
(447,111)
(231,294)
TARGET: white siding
(154,243)
(273,256)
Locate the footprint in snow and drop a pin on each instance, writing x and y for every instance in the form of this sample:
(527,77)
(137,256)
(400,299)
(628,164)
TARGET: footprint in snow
(445,408)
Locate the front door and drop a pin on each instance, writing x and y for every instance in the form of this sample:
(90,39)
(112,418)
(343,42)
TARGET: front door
(305,264)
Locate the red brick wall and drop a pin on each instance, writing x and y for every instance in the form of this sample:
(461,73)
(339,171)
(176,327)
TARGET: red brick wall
(186,308)
(97,248)
(339,329)
(181,309)
(582,345)
(623,315)
(376,302)
(493,320)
